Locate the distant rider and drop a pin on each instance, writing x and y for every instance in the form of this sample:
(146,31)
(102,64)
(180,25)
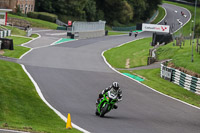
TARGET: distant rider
(115,87)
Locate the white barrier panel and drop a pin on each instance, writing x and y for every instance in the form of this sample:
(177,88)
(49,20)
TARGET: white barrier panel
(88,26)
(155,28)
(9,32)
(1,34)
(29,32)
(5,33)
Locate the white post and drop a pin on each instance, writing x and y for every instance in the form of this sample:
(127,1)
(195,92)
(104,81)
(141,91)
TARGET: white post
(194,29)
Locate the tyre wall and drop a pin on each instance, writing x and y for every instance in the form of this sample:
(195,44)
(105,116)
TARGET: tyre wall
(182,79)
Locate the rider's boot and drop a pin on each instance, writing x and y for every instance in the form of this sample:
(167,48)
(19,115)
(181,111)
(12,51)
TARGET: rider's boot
(97,101)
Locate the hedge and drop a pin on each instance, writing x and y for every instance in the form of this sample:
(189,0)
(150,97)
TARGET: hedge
(43,16)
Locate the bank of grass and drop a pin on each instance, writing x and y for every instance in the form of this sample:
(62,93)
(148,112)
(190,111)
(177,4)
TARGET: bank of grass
(111,33)
(20,106)
(186,29)
(161,14)
(181,56)
(36,22)
(34,35)
(153,80)
(15,31)
(18,50)
(136,51)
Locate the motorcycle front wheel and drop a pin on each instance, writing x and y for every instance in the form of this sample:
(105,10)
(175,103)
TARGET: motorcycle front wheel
(104,110)
(97,113)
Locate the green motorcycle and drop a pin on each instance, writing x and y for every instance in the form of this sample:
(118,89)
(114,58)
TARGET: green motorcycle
(107,103)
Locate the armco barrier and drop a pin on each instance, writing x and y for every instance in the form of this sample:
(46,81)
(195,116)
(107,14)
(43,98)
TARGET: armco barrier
(182,79)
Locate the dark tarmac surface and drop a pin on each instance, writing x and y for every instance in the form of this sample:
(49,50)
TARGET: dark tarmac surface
(71,75)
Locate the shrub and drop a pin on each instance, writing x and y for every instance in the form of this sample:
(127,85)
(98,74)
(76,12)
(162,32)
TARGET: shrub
(47,16)
(43,16)
(197,29)
(32,14)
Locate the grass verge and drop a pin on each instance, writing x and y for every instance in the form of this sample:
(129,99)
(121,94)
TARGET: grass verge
(18,50)
(34,35)
(187,28)
(15,31)
(110,33)
(36,22)
(153,80)
(160,16)
(181,56)
(20,106)
(136,51)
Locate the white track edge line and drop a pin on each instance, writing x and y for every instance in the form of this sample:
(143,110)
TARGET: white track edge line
(64,42)
(39,91)
(41,31)
(55,42)
(51,107)
(164,16)
(186,21)
(6,130)
(47,45)
(142,83)
(25,53)
(39,36)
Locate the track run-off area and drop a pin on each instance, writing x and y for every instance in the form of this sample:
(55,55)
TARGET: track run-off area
(69,77)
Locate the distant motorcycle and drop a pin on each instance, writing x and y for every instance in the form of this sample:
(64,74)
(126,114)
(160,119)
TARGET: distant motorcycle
(107,103)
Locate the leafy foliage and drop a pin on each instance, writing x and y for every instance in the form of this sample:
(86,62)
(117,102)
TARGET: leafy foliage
(43,16)
(113,11)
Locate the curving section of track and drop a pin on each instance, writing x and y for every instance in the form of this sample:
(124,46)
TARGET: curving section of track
(71,75)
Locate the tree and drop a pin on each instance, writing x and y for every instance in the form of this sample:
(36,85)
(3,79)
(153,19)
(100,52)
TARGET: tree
(113,11)
(152,5)
(44,6)
(90,10)
(139,7)
(118,10)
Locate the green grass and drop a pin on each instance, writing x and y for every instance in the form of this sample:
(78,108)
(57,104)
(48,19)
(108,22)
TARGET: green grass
(186,28)
(181,56)
(136,51)
(18,50)
(34,35)
(153,80)
(107,27)
(16,31)
(110,33)
(21,107)
(160,16)
(36,22)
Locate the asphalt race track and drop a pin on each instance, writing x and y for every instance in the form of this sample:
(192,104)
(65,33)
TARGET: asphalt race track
(71,75)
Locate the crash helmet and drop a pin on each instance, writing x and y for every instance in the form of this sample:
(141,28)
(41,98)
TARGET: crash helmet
(115,86)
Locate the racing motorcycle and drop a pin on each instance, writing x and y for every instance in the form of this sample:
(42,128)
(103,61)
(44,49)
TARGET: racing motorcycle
(107,103)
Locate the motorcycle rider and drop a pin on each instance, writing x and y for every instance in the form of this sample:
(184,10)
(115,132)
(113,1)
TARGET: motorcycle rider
(115,87)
